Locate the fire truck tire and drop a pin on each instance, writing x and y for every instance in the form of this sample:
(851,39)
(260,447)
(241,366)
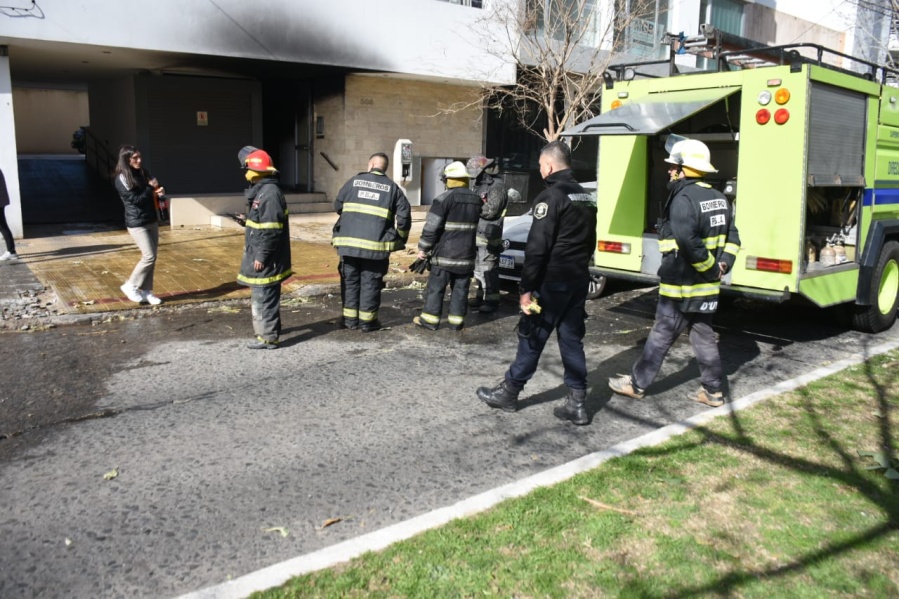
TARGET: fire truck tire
(884,294)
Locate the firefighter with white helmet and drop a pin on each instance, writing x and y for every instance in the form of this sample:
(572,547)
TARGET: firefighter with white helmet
(266,257)
(490,232)
(699,243)
(448,241)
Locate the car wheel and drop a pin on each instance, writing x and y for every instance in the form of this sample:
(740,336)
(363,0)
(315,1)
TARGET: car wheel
(597,284)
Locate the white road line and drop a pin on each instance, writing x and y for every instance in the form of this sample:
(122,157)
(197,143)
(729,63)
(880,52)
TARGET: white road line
(278,574)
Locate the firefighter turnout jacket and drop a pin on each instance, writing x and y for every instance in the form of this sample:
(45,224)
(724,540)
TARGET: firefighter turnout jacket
(267,236)
(563,234)
(696,233)
(448,236)
(490,227)
(375,217)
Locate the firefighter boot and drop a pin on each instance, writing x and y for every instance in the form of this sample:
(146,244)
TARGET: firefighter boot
(503,396)
(574,408)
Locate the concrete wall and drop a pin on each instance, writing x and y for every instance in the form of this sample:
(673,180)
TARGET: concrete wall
(8,152)
(380,110)
(47,118)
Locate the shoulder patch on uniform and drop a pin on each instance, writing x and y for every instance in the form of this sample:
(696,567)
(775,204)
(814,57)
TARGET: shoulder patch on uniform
(540,210)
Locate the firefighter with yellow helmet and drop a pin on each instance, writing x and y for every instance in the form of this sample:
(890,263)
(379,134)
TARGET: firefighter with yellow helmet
(448,241)
(699,243)
(266,257)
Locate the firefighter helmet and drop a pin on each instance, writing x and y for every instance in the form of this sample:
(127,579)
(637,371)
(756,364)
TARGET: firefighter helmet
(479,163)
(691,153)
(259,161)
(456,170)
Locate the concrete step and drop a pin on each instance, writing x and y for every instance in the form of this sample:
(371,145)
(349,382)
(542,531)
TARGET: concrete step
(310,207)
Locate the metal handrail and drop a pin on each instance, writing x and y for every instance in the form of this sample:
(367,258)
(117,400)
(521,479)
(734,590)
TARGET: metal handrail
(103,161)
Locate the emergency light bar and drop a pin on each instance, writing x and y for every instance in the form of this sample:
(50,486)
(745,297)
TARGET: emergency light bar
(615,247)
(769,264)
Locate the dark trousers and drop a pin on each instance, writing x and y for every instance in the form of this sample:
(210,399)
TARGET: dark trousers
(487,275)
(7,234)
(669,324)
(458,307)
(361,283)
(562,311)
(266,306)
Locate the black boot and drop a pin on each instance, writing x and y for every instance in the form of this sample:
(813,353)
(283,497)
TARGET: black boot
(503,396)
(575,408)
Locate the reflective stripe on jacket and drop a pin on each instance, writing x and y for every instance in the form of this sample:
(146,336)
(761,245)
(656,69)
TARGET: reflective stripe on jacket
(375,217)
(267,236)
(697,233)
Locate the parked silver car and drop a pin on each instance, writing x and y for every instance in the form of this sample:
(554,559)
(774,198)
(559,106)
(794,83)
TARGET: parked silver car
(515,237)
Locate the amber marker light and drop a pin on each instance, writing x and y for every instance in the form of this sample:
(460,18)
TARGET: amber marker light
(781,116)
(782,96)
(615,247)
(762,116)
(616,104)
(769,264)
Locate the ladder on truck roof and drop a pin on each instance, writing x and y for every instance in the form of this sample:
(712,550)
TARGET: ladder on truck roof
(730,52)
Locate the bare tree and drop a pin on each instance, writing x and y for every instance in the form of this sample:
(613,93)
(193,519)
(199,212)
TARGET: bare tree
(560,49)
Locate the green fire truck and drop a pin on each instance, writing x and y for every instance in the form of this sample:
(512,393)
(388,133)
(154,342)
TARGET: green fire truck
(808,152)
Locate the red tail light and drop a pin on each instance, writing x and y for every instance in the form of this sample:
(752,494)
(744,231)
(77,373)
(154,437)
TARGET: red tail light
(615,247)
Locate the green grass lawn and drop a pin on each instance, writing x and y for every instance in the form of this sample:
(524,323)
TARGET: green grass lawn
(779,500)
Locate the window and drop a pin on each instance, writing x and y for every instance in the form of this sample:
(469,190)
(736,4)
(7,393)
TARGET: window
(641,26)
(726,15)
(575,19)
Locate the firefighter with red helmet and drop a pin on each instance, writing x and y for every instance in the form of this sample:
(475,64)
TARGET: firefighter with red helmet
(490,232)
(699,244)
(266,257)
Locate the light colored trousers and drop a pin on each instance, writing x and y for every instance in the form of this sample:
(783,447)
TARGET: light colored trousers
(147,240)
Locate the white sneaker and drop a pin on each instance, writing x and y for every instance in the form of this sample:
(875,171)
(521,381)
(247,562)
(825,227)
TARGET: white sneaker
(131,292)
(9,256)
(150,298)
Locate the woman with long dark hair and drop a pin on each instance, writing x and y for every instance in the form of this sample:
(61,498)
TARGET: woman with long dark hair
(136,187)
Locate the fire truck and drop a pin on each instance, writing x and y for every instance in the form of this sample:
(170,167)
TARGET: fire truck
(807,151)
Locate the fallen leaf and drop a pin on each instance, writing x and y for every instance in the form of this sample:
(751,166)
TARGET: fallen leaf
(330,521)
(278,529)
(111,474)
(604,506)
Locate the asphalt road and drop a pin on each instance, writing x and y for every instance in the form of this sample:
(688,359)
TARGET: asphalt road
(213,444)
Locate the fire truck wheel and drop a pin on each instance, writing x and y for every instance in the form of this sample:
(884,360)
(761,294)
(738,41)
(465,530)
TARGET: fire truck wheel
(884,294)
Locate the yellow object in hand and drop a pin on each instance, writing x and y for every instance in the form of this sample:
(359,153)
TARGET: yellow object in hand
(534,307)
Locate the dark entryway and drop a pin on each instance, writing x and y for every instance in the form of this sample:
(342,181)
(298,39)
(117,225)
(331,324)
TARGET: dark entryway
(62,189)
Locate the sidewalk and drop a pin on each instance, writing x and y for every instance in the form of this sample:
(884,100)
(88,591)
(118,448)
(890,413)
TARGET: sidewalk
(84,265)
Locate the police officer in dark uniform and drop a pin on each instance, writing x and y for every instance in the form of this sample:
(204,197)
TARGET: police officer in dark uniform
(556,276)
(448,241)
(266,257)
(490,232)
(699,244)
(375,219)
